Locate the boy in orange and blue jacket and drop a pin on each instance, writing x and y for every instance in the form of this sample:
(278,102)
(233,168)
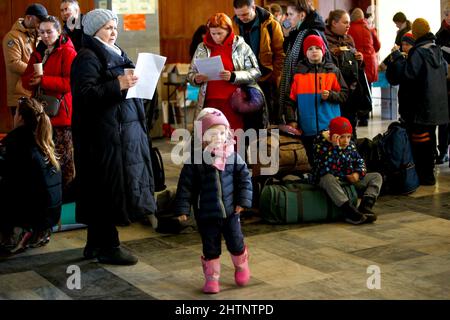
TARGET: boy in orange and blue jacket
(317,91)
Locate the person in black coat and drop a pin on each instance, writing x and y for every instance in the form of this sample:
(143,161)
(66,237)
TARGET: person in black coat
(443,40)
(72,18)
(30,180)
(423,102)
(218,188)
(114,179)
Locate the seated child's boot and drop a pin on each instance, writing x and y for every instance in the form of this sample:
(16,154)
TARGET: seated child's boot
(211,270)
(366,206)
(352,215)
(242,271)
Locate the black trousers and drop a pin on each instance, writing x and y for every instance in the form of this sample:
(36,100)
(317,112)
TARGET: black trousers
(211,231)
(423,147)
(102,236)
(308,143)
(443,139)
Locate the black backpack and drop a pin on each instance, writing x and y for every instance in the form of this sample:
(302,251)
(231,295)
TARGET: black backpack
(159,176)
(151,115)
(348,65)
(397,163)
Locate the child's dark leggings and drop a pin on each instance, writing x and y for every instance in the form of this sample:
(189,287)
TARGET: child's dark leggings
(211,230)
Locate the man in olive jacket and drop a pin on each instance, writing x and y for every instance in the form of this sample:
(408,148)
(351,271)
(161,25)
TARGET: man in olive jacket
(262,32)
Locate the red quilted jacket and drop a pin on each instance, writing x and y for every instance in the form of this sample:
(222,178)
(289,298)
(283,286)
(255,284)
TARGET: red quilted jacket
(56,79)
(366,42)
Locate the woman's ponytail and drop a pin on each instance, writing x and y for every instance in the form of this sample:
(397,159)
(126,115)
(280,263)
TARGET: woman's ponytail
(44,139)
(34,116)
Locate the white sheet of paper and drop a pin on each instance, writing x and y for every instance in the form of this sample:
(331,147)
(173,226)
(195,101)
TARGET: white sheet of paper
(210,66)
(148,69)
(446,49)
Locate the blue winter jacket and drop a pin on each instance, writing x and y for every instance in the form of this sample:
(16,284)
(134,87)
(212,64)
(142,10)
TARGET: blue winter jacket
(211,192)
(313,113)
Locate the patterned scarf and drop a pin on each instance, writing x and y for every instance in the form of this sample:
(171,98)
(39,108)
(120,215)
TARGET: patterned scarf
(47,53)
(290,63)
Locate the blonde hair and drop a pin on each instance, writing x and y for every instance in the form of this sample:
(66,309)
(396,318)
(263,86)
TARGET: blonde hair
(357,14)
(33,115)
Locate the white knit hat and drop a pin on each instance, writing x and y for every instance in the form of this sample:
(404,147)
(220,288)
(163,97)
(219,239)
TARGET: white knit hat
(95,19)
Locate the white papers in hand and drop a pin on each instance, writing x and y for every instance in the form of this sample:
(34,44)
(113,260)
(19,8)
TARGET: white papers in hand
(211,67)
(148,69)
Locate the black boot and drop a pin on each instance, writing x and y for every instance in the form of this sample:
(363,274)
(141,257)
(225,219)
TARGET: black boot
(117,256)
(352,215)
(366,206)
(427,180)
(90,252)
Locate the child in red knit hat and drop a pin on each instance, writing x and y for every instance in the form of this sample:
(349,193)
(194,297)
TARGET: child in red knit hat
(317,91)
(337,161)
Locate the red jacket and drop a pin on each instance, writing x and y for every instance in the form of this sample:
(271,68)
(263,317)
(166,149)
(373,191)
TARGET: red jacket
(56,79)
(366,42)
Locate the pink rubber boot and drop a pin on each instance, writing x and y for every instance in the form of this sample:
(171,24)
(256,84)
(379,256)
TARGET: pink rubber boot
(242,271)
(211,270)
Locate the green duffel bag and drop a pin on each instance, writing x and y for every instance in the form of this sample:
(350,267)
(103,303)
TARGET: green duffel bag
(295,202)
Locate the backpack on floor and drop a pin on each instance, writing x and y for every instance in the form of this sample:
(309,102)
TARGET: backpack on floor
(289,202)
(369,151)
(167,221)
(398,169)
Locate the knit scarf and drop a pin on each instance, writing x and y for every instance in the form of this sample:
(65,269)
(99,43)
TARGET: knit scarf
(112,48)
(290,63)
(47,53)
(220,153)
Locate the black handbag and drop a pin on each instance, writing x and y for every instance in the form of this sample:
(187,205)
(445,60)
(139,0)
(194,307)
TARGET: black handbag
(51,104)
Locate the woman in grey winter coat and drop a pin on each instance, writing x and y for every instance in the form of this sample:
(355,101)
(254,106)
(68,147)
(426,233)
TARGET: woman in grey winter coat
(114,177)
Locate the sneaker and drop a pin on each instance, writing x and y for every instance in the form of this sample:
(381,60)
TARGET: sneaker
(153,221)
(13,238)
(40,239)
(117,256)
(352,214)
(365,208)
(22,241)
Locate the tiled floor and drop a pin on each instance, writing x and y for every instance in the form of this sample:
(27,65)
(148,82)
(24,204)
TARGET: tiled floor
(409,243)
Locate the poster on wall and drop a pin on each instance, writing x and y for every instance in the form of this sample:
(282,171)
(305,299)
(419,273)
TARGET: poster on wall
(134,6)
(134,22)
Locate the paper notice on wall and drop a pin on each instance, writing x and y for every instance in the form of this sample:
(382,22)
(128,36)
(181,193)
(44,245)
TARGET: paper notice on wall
(103,4)
(148,70)
(134,22)
(134,6)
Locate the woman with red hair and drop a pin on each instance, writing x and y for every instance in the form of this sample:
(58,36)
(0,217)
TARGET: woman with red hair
(240,67)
